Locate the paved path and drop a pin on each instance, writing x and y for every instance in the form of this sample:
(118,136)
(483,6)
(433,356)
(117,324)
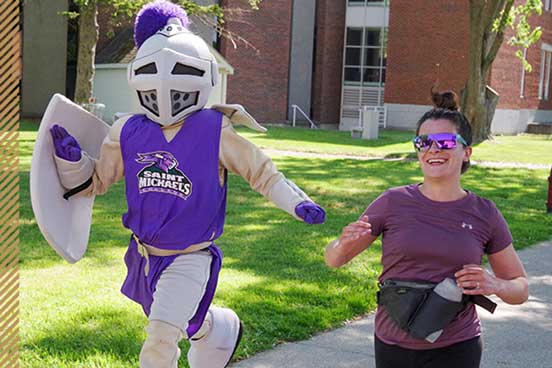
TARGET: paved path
(275,152)
(515,336)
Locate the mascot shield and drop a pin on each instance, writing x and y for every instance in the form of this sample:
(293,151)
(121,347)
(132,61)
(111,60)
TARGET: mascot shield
(64,223)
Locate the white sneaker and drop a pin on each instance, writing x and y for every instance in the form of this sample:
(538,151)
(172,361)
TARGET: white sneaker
(216,348)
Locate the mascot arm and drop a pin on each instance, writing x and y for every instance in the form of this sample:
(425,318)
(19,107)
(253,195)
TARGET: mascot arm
(74,173)
(109,168)
(243,158)
(239,116)
(105,171)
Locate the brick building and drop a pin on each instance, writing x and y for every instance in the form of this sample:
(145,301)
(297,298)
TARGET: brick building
(330,57)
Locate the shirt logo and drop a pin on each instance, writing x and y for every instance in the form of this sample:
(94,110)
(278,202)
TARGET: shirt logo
(162,175)
(466,226)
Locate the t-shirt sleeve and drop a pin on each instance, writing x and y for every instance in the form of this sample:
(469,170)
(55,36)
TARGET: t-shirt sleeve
(377,213)
(500,232)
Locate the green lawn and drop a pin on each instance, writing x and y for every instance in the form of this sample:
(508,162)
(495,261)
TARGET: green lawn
(273,276)
(523,148)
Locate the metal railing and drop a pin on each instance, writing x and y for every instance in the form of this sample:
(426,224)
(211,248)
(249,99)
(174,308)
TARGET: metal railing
(295,108)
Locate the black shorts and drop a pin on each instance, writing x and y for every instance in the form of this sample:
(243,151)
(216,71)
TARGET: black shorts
(465,354)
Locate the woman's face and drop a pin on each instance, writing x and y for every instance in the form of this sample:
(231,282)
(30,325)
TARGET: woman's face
(442,163)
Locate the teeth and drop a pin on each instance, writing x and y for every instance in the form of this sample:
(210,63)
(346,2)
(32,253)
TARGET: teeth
(436,161)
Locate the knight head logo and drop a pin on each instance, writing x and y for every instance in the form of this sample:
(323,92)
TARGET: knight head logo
(162,175)
(162,160)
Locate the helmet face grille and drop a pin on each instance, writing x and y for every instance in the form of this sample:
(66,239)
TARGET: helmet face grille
(182,100)
(148,99)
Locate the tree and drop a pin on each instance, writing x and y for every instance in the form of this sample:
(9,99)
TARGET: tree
(89,31)
(489,20)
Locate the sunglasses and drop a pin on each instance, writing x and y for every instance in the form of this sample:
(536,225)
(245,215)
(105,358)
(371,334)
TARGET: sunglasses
(443,141)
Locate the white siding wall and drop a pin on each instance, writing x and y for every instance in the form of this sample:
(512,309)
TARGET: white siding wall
(111,88)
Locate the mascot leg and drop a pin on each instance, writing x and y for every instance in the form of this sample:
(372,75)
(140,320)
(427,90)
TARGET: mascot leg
(213,347)
(161,347)
(180,306)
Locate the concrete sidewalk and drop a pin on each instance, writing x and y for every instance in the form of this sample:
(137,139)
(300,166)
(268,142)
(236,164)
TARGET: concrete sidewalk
(515,336)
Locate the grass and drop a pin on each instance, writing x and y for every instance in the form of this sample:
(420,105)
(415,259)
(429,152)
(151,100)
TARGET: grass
(273,276)
(525,148)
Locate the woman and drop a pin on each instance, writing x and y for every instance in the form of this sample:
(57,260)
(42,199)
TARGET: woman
(433,231)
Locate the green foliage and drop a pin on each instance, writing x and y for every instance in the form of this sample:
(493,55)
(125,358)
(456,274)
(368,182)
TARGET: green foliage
(126,9)
(69,14)
(254,4)
(524,34)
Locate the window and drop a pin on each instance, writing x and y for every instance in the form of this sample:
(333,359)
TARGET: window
(544,81)
(546,5)
(369,2)
(365,56)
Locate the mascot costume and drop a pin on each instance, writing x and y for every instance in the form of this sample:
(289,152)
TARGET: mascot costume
(174,158)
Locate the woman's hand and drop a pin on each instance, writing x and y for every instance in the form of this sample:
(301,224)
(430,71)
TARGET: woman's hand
(355,230)
(473,279)
(509,281)
(355,237)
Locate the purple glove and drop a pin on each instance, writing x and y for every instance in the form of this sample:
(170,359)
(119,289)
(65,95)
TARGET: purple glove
(310,212)
(65,144)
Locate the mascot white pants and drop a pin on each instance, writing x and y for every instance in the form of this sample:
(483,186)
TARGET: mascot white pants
(214,344)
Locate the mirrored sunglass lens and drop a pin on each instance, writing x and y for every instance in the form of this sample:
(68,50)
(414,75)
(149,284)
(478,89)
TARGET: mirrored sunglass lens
(446,143)
(422,143)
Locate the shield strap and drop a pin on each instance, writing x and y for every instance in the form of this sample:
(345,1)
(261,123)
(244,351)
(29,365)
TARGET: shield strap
(78,189)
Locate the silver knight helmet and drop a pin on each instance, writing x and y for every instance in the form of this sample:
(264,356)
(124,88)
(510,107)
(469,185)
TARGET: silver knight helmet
(174,72)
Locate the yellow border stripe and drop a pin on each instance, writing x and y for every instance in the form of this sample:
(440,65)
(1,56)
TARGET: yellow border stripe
(10,76)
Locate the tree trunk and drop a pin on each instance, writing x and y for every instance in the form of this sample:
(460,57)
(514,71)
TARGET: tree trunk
(491,100)
(477,103)
(88,37)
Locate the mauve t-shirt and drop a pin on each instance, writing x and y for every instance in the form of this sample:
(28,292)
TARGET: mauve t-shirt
(426,240)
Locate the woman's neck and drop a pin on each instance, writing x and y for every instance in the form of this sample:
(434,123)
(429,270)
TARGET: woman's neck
(442,191)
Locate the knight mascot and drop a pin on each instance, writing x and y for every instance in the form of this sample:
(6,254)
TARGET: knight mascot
(174,158)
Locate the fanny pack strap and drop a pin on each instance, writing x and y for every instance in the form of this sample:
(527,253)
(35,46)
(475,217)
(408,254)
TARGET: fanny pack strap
(483,302)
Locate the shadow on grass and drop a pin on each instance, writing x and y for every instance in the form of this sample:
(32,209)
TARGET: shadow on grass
(29,125)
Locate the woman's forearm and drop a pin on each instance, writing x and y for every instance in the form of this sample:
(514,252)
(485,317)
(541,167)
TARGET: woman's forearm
(515,291)
(333,257)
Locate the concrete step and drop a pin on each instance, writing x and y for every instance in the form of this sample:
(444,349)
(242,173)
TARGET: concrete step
(539,128)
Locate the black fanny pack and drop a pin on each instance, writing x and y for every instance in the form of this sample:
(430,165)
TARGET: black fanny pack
(417,309)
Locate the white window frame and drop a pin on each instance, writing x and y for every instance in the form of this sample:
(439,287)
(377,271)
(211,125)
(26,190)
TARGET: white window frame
(367,3)
(382,47)
(544,80)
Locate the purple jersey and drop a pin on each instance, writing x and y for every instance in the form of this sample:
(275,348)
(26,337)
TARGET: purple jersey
(426,240)
(173,192)
(174,199)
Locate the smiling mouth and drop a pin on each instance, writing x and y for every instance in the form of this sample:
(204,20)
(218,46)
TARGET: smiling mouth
(436,161)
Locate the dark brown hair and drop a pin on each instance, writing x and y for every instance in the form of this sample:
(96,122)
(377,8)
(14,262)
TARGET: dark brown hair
(446,107)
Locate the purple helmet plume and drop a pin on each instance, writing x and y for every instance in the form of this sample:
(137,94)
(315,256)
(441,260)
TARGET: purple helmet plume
(163,160)
(154,16)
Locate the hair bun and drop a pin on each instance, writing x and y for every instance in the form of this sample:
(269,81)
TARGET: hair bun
(445,100)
